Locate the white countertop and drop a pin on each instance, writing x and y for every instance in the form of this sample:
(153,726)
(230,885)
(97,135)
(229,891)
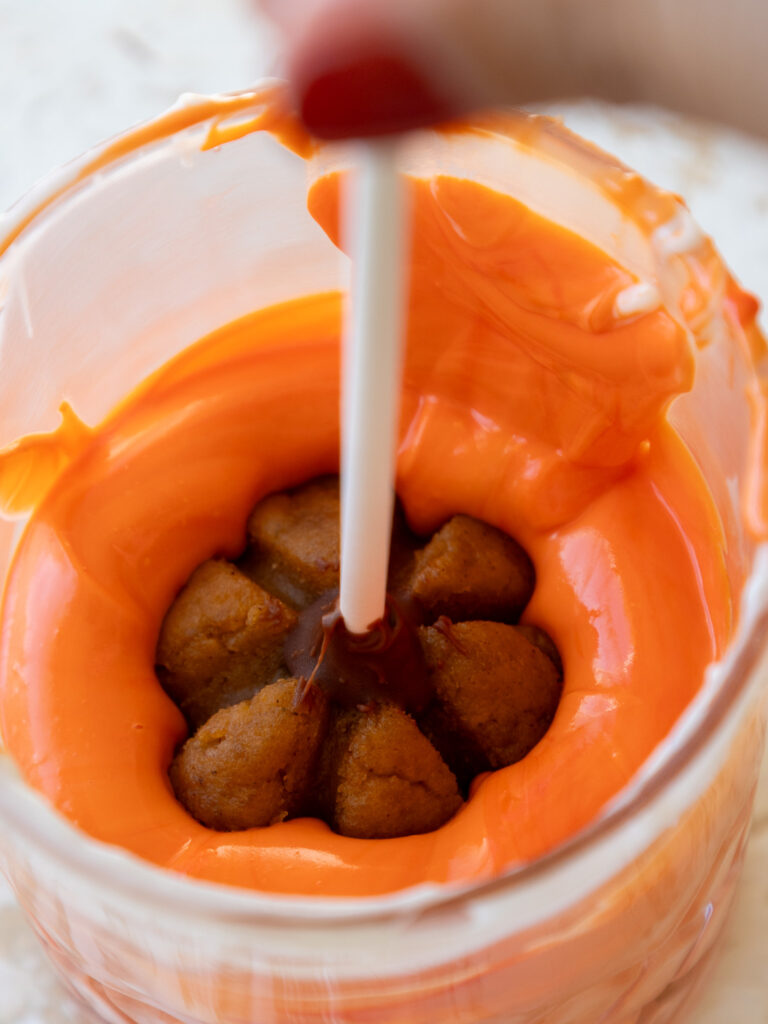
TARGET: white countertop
(74,72)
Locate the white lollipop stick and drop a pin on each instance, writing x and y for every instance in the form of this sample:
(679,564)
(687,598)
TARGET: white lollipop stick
(374,210)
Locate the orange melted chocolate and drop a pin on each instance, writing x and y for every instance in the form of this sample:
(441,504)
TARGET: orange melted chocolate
(525,405)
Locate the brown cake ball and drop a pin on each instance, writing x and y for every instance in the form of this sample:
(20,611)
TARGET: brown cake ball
(387,779)
(221,639)
(294,539)
(295,543)
(495,687)
(252,764)
(544,642)
(457,747)
(470,570)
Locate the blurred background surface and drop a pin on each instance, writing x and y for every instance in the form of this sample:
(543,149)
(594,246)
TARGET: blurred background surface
(73,72)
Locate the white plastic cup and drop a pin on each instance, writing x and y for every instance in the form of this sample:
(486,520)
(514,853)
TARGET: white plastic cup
(119,262)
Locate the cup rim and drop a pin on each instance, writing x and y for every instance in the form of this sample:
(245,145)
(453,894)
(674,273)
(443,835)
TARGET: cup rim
(96,860)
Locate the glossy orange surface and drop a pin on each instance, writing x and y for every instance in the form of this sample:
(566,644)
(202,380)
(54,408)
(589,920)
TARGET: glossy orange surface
(527,403)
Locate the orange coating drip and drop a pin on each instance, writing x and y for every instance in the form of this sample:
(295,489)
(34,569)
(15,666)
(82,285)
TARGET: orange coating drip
(232,116)
(30,466)
(525,405)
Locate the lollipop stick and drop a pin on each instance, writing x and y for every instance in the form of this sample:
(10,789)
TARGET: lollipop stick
(371,376)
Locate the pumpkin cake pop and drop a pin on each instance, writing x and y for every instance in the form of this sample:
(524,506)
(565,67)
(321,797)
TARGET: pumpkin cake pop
(378,735)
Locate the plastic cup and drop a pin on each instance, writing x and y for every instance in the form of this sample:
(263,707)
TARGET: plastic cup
(616,926)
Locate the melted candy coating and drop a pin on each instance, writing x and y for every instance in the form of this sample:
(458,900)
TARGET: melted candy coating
(384,664)
(526,405)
